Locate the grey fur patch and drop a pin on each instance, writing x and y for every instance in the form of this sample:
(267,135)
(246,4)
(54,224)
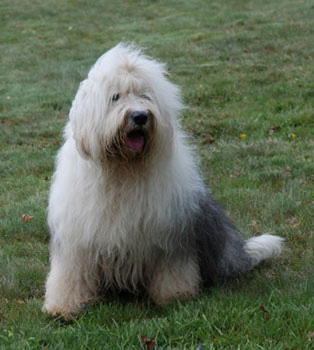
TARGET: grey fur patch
(218,243)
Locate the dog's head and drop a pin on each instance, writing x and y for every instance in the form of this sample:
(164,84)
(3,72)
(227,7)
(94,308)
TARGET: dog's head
(126,109)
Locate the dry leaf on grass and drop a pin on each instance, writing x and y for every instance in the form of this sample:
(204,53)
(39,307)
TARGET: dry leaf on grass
(274,129)
(27,218)
(208,141)
(310,336)
(149,344)
(266,313)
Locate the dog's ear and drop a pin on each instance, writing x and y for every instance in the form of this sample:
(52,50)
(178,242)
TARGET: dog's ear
(82,146)
(82,119)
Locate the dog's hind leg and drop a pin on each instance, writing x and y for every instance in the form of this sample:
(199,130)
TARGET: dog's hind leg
(179,279)
(221,248)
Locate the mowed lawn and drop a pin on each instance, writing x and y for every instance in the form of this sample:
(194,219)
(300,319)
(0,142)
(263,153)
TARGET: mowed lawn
(246,69)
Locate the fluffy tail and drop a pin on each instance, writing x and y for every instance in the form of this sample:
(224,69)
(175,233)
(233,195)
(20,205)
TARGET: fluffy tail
(263,247)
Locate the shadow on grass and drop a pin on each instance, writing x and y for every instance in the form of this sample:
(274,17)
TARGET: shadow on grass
(119,306)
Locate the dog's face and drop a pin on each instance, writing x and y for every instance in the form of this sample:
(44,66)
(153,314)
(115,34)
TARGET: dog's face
(131,117)
(126,110)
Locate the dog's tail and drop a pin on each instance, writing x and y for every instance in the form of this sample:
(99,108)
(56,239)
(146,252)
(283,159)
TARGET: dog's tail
(263,247)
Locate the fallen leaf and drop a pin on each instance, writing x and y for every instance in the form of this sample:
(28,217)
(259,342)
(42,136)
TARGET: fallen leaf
(310,335)
(148,343)
(274,129)
(266,313)
(210,141)
(27,218)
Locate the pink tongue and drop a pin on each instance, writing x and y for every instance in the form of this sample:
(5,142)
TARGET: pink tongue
(135,141)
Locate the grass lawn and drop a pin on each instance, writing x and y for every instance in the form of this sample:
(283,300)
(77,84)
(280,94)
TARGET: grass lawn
(247,74)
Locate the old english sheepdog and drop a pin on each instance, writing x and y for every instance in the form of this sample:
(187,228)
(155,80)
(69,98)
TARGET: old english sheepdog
(128,207)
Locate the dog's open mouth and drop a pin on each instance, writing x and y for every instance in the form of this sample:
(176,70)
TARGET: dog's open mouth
(136,140)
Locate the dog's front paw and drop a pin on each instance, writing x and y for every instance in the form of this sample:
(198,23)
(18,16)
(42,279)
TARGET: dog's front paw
(65,311)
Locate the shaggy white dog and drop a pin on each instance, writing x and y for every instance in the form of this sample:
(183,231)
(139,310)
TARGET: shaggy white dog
(128,207)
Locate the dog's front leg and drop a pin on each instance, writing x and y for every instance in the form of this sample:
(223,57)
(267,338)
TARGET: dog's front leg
(175,279)
(69,285)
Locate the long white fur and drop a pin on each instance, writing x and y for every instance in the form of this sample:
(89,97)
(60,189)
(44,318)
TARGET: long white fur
(96,210)
(107,223)
(263,247)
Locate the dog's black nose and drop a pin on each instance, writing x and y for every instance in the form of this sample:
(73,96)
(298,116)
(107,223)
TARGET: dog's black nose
(139,117)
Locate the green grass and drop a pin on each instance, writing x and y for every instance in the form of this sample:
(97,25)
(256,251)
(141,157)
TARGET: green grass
(245,67)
